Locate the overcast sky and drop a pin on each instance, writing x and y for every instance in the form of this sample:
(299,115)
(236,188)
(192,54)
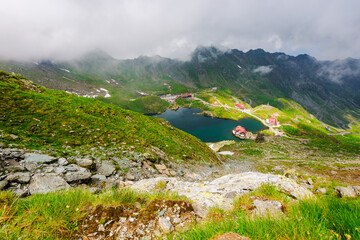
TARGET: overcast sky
(33,29)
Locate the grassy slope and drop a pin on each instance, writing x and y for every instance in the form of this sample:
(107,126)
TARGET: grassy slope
(43,118)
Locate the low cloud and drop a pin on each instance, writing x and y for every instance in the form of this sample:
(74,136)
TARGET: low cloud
(338,71)
(60,29)
(263,70)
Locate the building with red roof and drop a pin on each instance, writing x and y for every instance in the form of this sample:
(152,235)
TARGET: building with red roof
(241,106)
(272,121)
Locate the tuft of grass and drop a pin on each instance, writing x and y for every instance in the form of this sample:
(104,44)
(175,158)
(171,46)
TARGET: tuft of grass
(160,185)
(266,192)
(326,218)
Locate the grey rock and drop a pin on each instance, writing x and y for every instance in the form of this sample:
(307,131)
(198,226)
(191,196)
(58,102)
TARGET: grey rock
(3,184)
(205,195)
(38,158)
(63,162)
(14,165)
(49,182)
(129,176)
(21,192)
(31,166)
(72,168)
(59,170)
(21,177)
(321,190)
(98,178)
(345,191)
(267,207)
(49,169)
(80,175)
(84,162)
(164,224)
(106,168)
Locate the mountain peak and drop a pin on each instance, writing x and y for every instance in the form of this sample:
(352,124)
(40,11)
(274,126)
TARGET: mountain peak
(202,53)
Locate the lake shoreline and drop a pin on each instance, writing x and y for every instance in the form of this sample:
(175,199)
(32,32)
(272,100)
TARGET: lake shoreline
(208,128)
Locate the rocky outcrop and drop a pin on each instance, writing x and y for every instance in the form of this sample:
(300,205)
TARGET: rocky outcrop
(21,171)
(221,191)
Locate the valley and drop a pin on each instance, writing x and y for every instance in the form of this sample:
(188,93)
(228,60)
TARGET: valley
(98,171)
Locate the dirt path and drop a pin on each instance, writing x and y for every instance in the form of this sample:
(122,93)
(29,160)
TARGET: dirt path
(235,99)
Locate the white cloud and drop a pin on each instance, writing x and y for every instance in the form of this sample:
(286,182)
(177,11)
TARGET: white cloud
(339,70)
(128,28)
(263,70)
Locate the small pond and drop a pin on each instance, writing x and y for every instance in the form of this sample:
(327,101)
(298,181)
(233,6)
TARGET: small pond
(208,129)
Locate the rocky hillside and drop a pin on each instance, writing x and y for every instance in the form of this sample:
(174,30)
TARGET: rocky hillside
(327,89)
(67,125)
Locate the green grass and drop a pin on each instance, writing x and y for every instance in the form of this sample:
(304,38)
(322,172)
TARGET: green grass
(326,218)
(148,104)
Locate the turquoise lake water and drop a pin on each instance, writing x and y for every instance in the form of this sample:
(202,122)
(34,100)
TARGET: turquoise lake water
(208,129)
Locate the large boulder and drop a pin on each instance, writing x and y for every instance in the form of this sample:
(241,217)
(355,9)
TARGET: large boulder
(345,191)
(39,158)
(84,162)
(81,175)
(48,182)
(106,168)
(220,192)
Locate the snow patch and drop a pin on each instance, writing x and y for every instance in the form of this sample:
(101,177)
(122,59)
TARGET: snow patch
(226,153)
(107,95)
(64,70)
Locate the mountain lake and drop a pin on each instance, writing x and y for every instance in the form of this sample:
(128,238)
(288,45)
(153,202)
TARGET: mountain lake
(208,129)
